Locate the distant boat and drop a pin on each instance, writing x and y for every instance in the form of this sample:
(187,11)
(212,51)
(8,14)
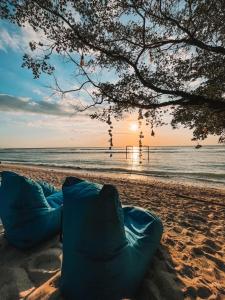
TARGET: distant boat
(198,146)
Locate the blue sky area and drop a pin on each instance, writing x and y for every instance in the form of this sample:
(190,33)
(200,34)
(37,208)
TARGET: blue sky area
(29,118)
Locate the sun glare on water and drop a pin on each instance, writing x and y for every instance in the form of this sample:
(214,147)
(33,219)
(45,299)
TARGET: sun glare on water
(133,127)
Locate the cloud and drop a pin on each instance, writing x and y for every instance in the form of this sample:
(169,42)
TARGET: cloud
(10,103)
(19,40)
(8,40)
(68,125)
(26,114)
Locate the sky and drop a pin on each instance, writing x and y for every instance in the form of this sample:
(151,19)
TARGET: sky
(31,118)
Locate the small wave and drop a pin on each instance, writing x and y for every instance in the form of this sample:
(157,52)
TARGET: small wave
(192,176)
(116,150)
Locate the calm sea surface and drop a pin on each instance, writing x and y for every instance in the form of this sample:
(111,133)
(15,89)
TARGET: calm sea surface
(205,165)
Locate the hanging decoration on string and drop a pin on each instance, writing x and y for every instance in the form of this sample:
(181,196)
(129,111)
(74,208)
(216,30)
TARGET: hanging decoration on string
(152,133)
(82,60)
(204,132)
(141,136)
(198,146)
(150,57)
(151,120)
(109,122)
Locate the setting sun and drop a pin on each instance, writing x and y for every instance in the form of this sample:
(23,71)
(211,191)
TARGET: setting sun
(133,126)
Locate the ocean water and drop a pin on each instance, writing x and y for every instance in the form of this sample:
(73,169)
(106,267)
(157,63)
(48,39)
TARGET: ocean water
(184,164)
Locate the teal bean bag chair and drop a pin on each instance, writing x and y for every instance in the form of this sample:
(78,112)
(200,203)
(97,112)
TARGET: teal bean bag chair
(30,211)
(106,248)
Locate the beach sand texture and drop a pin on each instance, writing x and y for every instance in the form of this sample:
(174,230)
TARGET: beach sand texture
(190,263)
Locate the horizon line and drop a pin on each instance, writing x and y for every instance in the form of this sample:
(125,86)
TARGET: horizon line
(69,147)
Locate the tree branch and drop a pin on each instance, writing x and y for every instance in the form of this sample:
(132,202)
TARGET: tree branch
(187,98)
(192,40)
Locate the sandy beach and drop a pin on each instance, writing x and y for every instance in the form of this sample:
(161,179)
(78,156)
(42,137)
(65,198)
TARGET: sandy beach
(190,263)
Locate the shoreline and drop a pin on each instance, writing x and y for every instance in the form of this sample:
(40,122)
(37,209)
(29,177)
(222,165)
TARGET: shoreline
(189,264)
(92,173)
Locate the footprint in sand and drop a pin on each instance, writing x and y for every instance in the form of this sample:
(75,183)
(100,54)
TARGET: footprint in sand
(44,265)
(187,271)
(195,218)
(180,246)
(204,292)
(197,251)
(219,263)
(190,292)
(212,244)
(208,249)
(170,217)
(177,229)
(169,241)
(185,224)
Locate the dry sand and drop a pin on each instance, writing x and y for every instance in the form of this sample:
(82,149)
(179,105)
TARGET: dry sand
(190,263)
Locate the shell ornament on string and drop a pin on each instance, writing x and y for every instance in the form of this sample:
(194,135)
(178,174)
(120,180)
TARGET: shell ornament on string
(82,60)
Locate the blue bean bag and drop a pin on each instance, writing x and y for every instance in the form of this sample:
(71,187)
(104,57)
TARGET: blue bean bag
(106,248)
(30,211)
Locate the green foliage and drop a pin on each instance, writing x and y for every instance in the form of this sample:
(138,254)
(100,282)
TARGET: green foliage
(165,54)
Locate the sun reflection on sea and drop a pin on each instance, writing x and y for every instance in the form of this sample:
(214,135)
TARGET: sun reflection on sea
(134,156)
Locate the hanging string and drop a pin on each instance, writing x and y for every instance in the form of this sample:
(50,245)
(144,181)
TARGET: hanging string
(109,122)
(148,121)
(141,136)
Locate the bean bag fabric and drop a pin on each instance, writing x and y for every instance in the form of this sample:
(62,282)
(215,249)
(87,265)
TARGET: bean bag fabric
(28,216)
(55,200)
(106,248)
(47,188)
(53,196)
